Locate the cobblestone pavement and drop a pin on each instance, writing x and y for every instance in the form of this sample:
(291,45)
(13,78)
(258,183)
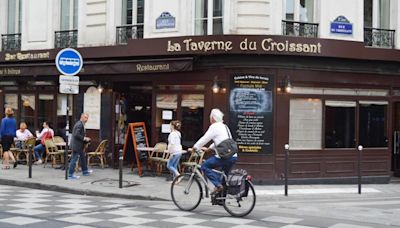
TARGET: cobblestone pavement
(23,207)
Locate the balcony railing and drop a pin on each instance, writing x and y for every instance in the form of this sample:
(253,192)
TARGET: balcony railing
(297,28)
(11,42)
(379,37)
(66,38)
(126,32)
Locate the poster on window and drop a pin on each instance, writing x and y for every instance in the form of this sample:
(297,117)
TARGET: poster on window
(251,116)
(92,105)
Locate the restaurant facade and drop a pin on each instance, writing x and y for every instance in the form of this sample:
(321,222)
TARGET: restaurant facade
(322,97)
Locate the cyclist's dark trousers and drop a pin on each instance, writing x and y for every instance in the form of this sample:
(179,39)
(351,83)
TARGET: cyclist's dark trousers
(213,163)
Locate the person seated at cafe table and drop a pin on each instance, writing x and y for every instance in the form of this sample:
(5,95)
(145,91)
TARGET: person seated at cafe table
(46,133)
(22,134)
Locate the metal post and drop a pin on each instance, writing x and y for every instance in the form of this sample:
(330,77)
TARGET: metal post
(30,154)
(120,168)
(286,167)
(360,148)
(66,143)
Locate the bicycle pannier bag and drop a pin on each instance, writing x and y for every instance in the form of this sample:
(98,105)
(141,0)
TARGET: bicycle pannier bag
(237,183)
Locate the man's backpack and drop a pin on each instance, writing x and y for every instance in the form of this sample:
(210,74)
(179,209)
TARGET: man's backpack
(236,183)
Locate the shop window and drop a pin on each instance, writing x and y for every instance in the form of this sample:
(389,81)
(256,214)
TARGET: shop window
(46,109)
(305,121)
(11,101)
(28,111)
(62,112)
(340,124)
(167,105)
(373,124)
(208,17)
(192,118)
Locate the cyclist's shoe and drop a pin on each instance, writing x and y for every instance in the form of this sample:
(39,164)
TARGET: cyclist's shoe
(217,190)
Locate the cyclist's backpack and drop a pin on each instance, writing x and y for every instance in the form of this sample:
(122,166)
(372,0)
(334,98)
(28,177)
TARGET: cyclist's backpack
(236,183)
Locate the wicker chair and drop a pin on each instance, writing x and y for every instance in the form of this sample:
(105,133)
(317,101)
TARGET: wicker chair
(52,152)
(157,155)
(194,159)
(100,153)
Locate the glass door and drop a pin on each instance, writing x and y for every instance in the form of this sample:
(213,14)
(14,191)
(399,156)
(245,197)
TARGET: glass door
(46,109)
(396,141)
(28,111)
(179,102)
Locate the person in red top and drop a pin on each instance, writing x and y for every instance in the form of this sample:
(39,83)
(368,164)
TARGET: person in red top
(46,133)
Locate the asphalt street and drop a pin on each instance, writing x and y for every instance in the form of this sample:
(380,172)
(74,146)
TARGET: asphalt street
(24,207)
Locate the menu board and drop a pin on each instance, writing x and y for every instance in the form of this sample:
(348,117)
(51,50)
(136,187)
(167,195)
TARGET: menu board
(136,135)
(251,116)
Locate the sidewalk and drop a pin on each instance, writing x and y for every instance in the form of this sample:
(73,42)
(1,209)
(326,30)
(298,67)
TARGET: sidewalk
(105,182)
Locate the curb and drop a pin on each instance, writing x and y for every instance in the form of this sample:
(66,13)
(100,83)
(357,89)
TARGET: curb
(57,188)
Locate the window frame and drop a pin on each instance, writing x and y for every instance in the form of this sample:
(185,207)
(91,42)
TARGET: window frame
(296,11)
(210,17)
(72,15)
(377,15)
(17,17)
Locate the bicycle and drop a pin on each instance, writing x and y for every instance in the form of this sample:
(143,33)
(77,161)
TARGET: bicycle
(187,192)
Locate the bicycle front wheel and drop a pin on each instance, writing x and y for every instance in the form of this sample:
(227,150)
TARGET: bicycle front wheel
(186,192)
(243,205)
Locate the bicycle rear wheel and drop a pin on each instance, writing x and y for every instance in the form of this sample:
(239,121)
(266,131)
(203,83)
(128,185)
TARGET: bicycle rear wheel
(186,192)
(241,206)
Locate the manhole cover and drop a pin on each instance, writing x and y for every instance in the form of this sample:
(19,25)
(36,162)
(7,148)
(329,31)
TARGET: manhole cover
(113,183)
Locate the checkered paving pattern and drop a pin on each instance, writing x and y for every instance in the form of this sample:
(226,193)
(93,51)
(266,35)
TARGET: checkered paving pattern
(21,207)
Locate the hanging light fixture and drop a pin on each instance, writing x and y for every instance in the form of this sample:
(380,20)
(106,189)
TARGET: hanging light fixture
(288,85)
(100,88)
(215,87)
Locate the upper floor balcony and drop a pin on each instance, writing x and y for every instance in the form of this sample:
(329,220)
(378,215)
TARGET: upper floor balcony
(66,38)
(11,42)
(383,38)
(297,28)
(126,32)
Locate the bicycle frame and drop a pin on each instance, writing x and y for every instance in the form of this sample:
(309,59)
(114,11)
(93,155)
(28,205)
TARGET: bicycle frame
(196,172)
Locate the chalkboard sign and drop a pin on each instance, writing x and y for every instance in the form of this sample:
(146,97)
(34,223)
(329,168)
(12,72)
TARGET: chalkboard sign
(251,112)
(136,134)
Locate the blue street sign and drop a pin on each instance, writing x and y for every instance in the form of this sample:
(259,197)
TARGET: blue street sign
(342,25)
(69,61)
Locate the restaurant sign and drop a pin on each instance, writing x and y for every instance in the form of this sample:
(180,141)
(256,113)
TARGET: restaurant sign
(19,56)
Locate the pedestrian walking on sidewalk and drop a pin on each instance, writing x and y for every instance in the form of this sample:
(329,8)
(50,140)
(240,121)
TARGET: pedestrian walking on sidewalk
(78,141)
(7,133)
(174,147)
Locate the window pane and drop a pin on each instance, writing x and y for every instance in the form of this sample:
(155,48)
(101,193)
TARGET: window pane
(373,124)
(200,27)
(290,10)
(368,13)
(166,111)
(192,118)
(217,8)
(140,11)
(46,109)
(201,9)
(305,122)
(306,10)
(12,10)
(11,101)
(65,9)
(28,111)
(384,14)
(217,26)
(75,23)
(340,124)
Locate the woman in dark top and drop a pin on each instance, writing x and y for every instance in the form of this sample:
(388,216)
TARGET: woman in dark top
(8,129)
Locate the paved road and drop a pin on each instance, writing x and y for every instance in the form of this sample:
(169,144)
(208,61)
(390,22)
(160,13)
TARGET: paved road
(23,207)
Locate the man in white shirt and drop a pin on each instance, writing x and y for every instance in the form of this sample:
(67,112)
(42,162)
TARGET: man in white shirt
(217,132)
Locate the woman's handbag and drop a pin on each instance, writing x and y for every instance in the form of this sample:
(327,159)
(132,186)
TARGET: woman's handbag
(227,148)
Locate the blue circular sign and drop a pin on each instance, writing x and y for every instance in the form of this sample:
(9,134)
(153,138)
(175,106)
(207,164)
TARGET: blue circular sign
(69,61)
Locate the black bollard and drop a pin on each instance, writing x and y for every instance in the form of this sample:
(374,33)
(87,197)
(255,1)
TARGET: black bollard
(30,154)
(66,161)
(286,167)
(120,168)
(360,148)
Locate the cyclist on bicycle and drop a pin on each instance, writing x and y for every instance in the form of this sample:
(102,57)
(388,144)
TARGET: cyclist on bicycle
(217,132)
